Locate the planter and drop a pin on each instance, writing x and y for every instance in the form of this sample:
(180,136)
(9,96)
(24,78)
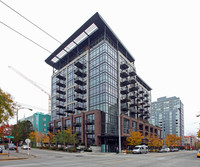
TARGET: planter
(95,148)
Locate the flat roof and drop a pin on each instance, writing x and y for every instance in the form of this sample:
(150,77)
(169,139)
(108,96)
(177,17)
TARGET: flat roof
(91,28)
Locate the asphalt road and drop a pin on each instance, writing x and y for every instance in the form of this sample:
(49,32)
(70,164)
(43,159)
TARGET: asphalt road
(63,159)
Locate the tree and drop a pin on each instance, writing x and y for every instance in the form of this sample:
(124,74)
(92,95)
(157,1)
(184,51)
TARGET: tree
(154,142)
(135,138)
(51,138)
(7,107)
(5,130)
(198,134)
(172,140)
(24,129)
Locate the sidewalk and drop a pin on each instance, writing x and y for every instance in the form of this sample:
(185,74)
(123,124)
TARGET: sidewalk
(14,156)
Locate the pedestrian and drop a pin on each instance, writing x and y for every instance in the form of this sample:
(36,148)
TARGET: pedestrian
(117,150)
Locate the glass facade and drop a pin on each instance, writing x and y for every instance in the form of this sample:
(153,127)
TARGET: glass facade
(103,84)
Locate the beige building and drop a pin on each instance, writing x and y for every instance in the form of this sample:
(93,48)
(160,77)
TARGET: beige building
(189,142)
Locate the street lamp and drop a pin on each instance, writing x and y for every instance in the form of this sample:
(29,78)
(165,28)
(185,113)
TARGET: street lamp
(18,108)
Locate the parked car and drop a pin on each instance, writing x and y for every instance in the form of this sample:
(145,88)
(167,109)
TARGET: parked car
(174,149)
(167,149)
(162,150)
(25,147)
(1,150)
(140,149)
(12,146)
(198,154)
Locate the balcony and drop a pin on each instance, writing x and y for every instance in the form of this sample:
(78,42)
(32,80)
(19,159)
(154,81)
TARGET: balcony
(141,97)
(146,100)
(80,73)
(124,82)
(132,96)
(132,110)
(79,106)
(146,95)
(147,106)
(141,109)
(79,64)
(133,105)
(60,98)
(125,99)
(124,90)
(132,80)
(123,66)
(59,76)
(134,88)
(61,91)
(68,110)
(60,105)
(80,90)
(141,91)
(60,83)
(79,81)
(79,98)
(124,107)
(123,74)
(60,113)
(132,73)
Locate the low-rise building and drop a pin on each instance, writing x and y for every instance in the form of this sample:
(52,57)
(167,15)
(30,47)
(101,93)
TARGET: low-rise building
(40,121)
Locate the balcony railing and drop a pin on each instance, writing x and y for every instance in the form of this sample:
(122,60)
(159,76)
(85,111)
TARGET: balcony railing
(80,98)
(124,90)
(59,76)
(80,90)
(123,66)
(125,99)
(124,82)
(80,73)
(60,113)
(79,81)
(79,106)
(123,74)
(60,83)
(61,91)
(79,64)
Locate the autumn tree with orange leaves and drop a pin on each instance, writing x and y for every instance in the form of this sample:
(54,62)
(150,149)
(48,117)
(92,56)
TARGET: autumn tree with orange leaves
(172,140)
(154,142)
(198,134)
(7,107)
(135,138)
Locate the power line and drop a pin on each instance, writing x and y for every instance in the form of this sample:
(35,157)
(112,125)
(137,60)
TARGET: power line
(25,37)
(30,22)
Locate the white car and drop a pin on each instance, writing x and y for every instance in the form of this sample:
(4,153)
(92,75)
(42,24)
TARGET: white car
(25,147)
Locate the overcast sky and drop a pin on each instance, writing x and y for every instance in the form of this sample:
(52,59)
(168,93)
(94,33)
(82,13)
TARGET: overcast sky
(162,35)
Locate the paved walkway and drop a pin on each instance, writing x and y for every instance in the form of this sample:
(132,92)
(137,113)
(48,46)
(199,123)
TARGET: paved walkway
(13,155)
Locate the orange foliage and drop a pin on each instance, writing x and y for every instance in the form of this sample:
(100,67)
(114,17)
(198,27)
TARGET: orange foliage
(172,140)
(135,138)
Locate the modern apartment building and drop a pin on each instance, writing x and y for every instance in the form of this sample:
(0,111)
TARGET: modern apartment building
(95,83)
(168,113)
(40,121)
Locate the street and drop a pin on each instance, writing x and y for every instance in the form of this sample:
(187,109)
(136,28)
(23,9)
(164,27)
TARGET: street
(63,159)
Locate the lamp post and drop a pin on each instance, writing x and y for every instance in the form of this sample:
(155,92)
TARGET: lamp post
(18,108)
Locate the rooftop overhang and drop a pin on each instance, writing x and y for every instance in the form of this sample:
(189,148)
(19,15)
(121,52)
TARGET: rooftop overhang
(143,83)
(92,28)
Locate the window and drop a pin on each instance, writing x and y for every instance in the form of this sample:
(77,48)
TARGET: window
(44,119)
(44,124)
(126,125)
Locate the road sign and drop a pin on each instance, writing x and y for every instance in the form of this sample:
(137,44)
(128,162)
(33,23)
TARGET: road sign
(9,137)
(27,141)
